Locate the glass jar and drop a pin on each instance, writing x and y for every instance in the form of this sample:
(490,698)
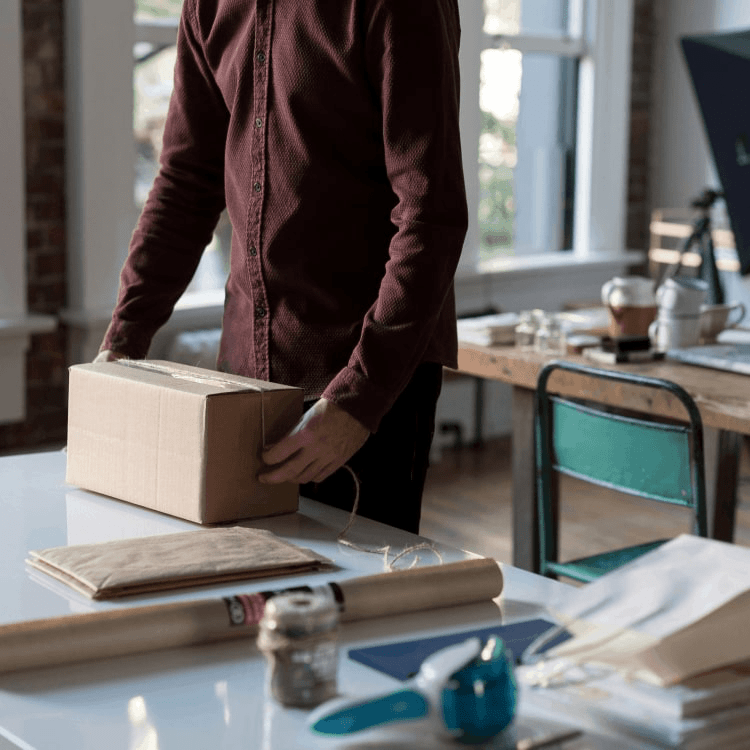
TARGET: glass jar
(299,636)
(525,330)
(550,337)
(527,326)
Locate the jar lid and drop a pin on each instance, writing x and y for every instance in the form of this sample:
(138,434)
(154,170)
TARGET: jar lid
(300,613)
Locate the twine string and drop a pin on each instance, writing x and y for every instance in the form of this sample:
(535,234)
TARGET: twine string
(385,550)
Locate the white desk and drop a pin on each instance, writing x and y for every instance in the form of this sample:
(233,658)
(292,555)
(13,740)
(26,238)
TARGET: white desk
(204,698)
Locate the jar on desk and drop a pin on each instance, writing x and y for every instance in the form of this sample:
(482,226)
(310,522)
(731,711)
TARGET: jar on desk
(550,337)
(298,635)
(525,331)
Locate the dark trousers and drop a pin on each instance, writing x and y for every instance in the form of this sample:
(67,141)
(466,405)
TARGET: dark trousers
(392,465)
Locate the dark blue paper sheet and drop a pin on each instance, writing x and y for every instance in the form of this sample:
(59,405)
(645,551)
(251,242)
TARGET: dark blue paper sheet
(403,659)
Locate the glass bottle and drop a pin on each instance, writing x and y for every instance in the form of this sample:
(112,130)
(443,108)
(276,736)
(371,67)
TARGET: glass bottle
(525,331)
(550,338)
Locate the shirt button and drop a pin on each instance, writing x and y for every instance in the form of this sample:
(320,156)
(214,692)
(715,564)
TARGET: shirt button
(258,122)
(253,251)
(260,311)
(256,187)
(261,57)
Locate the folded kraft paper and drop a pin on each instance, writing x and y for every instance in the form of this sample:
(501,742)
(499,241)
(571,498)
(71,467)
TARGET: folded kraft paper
(123,567)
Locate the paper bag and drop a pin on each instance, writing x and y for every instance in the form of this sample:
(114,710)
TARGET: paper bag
(677,611)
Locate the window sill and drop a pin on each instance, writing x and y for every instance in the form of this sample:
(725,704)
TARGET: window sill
(525,265)
(26,326)
(497,282)
(549,281)
(212,302)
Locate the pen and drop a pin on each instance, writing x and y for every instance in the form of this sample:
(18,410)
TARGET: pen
(531,743)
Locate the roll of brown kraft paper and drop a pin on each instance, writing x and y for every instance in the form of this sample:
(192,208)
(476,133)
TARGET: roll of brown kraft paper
(99,635)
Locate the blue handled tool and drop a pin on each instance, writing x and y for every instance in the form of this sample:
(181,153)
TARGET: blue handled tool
(467,691)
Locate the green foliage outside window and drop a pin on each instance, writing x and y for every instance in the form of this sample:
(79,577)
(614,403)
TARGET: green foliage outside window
(496,201)
(158,8)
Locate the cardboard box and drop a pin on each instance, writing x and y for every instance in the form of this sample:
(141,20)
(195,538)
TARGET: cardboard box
(182,440)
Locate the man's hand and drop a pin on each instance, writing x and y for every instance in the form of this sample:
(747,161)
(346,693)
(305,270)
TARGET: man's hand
(322,441)
(107,355)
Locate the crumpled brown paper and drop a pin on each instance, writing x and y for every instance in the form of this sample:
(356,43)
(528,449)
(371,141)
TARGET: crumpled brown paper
(124,567)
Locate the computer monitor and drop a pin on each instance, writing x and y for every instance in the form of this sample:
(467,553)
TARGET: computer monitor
(719,65)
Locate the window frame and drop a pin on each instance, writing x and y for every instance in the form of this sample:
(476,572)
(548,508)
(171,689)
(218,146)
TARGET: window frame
(595,38)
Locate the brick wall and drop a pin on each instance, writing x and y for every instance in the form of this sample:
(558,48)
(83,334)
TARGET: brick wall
(45,202)
(44,125)
(639,207)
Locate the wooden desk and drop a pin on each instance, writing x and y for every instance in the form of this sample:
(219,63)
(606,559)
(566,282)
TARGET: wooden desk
(723,399)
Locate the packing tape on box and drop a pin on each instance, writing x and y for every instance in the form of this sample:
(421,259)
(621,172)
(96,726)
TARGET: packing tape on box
(215,380)
(176,372)
(109,633)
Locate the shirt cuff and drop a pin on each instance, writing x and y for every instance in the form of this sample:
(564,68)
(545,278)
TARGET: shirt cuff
(359,397)
(127,339)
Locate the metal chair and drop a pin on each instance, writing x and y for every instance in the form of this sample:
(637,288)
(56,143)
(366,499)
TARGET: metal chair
(634,453)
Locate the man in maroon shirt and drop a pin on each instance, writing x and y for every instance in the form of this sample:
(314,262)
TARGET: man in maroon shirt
(329,131)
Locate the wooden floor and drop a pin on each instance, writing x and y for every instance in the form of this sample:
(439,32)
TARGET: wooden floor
(467,503)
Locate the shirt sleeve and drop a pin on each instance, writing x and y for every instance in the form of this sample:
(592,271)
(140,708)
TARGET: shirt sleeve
(412,59)
(184,204)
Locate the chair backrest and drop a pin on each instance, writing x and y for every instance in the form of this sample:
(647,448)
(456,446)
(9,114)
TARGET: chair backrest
(637,454)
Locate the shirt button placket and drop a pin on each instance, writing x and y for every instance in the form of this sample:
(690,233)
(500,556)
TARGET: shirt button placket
(264,13)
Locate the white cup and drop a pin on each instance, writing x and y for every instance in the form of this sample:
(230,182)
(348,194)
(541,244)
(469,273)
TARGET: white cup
(681,296)
(622,291)
(673,332)
(716,318)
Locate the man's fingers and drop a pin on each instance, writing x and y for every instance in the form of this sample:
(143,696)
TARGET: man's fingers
(310,474)
(107,355)
(290,470)
(324,439)
(286,447)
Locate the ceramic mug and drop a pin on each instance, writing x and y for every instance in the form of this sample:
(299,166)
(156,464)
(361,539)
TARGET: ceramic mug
(631,304)
(715,319)
(681,296)
(673,332)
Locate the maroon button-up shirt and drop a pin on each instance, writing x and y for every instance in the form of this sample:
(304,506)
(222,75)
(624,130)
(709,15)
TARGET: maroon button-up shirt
(329,130)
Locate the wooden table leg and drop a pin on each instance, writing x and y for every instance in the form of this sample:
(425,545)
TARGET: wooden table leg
(722,454)
(525,537)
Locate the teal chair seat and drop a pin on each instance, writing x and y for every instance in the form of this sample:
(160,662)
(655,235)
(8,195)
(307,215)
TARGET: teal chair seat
(638,454)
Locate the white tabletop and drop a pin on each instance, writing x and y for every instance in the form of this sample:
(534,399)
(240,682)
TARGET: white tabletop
(211,697)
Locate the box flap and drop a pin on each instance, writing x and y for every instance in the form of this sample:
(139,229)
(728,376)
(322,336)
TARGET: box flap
(186,378)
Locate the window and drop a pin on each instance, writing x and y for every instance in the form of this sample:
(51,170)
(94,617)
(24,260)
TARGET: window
(529,68)
(527,99)
(154,55)
(549,181)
